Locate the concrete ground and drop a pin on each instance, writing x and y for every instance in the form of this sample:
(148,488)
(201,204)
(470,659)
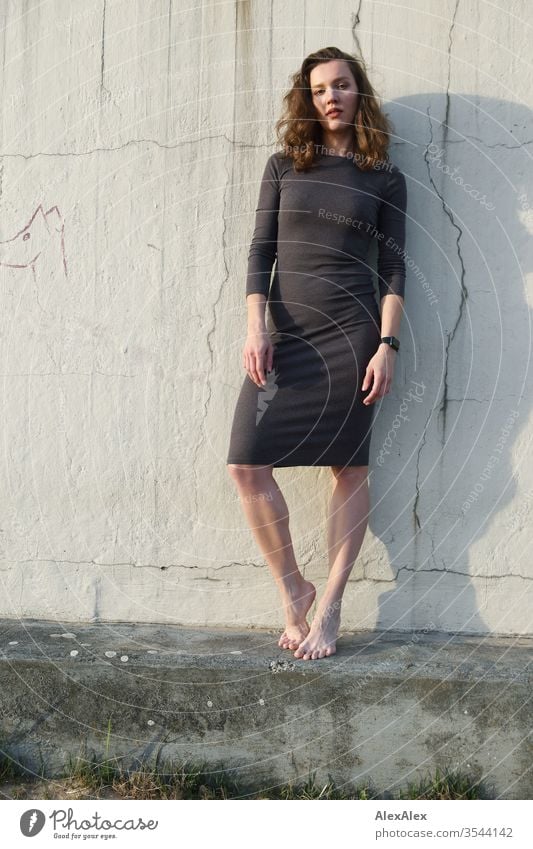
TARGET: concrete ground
(388,708)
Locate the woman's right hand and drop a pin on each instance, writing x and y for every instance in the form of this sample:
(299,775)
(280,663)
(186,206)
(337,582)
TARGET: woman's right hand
(258,355)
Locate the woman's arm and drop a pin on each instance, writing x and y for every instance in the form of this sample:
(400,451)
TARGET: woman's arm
(391,308)
(264,245)
(256,305)
(257,354)
(258,351)
(391,277)
(391,236)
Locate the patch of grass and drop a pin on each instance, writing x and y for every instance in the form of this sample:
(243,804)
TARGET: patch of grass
(106,780)
(10,770)
(91,778)
(150,782)
(444,785)
(310,789)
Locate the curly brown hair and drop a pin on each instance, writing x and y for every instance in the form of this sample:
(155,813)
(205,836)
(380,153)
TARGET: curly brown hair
(299,131)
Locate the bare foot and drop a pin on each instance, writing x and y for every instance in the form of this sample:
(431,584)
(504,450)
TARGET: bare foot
(295,612)
(322,637)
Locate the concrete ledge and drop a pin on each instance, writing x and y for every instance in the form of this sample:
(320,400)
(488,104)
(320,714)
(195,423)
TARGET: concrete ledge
(386,709)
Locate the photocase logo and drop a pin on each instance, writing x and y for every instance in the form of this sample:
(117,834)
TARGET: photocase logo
(436,154)
(266,394)
(31,822)
(398,419)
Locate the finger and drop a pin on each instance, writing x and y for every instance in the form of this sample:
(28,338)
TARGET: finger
(248,366)
(367,378)
(253,369)
(259,367)
(270,359)
(374,393)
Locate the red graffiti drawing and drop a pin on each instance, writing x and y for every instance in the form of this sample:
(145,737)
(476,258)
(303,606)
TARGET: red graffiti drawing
(24,249)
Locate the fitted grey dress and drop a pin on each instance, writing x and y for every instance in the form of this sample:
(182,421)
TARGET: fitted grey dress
(322,314)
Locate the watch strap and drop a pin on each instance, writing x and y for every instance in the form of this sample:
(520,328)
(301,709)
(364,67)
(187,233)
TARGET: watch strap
(392,341)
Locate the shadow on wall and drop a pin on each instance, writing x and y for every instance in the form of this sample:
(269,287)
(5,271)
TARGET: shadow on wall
(443,474)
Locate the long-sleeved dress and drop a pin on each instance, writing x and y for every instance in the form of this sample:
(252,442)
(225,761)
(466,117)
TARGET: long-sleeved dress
(322,314)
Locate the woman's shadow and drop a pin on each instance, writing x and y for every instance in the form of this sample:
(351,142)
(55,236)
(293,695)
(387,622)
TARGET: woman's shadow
(444,477)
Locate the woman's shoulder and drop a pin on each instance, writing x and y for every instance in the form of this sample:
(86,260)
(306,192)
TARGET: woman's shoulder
(387,167)
(277,164)
(393,177)
(280,158)
(396,173)
(393,188)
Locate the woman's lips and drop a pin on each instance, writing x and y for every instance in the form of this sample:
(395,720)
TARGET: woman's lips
(334,113)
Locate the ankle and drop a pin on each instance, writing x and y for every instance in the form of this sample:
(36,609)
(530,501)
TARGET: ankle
(292,585)
(329,607)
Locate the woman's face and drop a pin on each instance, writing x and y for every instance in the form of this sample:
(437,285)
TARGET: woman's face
(334,88)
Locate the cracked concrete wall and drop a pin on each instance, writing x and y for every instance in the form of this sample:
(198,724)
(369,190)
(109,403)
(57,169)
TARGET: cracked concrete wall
(133,140)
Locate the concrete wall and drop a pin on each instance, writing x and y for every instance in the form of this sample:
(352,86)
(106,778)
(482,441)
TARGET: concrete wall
(134,135)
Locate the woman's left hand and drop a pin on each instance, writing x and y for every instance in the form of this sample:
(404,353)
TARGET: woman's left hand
(379,373)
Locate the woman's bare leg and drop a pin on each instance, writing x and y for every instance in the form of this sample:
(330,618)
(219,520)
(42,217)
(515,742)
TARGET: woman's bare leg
(347,523)
(268,516)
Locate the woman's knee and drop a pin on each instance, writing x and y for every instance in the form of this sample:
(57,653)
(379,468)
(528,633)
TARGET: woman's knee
(350,474)
(243,473)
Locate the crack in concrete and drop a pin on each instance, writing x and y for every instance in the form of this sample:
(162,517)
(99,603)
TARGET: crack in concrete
(223,282)
(450,44)
(102,53)
(418,524)
(356,20)
(264,566)
(464,291)
(235,144)
(457,572)
(162,145)
(485,143)
(134,565)
(61,373)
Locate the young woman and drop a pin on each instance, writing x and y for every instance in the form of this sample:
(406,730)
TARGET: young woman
(324,352)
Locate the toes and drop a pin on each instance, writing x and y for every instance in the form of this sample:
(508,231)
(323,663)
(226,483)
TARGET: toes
(305,653)
(286,642)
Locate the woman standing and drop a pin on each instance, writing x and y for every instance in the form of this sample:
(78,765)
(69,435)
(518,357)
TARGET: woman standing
(325,352)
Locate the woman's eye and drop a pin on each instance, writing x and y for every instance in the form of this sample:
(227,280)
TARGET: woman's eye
(320,90)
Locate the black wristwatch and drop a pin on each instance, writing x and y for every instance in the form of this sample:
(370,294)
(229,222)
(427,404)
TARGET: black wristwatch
(392,341)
